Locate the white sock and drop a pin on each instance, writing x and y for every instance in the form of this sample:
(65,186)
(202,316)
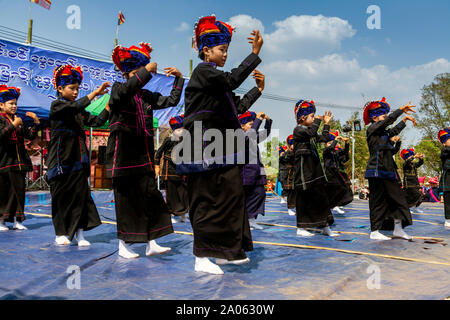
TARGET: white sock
(303,233)
(3,226)
(82,242)
(398,230)
(447,223)
(338,210)
(62,240)
(376,235)
(183,218)
(205,265)
(236,262)
(418,210)
(174,220)
(126,251)
(327,230)
(17,225)
(291,212)
(253,224)
(283,200)
(153,248)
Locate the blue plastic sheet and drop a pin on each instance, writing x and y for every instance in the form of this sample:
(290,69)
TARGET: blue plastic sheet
(33,267)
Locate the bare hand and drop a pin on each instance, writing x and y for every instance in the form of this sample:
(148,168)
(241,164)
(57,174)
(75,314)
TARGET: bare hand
(327,117)
(256,40)
(408,108)
(103,89)
(395,139)
(33,116)
(172,71)
(157,170)
(409,118)
(152,67)
(107,108)
(261,115)
(260,80)
(17,122)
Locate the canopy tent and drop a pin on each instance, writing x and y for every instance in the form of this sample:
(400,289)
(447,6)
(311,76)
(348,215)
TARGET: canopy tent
(30,100)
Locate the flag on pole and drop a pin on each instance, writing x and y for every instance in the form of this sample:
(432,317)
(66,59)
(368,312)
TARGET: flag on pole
(43,3)
(121,18)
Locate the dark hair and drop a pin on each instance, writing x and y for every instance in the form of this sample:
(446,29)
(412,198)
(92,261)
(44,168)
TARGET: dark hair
(201,55)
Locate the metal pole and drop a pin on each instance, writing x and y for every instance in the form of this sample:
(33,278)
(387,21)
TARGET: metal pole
(157,147)
(30,25)
(90,153)
(353,157)
(116,40)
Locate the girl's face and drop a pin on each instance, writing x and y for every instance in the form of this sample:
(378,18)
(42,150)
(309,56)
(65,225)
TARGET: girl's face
(217,54)
(9,107)
(69,92)
(447,143)
(379,118)
(177,133)
(247,126)
(307,120)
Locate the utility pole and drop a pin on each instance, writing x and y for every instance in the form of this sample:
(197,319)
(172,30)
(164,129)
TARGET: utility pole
(30,25)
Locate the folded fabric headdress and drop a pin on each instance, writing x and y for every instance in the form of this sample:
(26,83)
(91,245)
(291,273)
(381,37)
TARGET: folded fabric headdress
(210,33)
(132,58)
(444,135)
(375,109)
(421,179)
(406,153)
(176,122)
(303,108)
(66,74)
(433,180)
(290,140)
(8,93)
(247,117)
(282,149)
(332,135)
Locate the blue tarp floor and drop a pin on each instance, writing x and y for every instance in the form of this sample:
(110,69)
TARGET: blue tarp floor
(282,266)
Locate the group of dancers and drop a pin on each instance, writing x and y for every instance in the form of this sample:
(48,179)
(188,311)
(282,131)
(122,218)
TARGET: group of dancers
(222,196)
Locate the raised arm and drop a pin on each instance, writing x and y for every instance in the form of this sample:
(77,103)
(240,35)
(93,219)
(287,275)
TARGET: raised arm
(303,132)
(157,101)
(95,121)
(390,119)
(61,107)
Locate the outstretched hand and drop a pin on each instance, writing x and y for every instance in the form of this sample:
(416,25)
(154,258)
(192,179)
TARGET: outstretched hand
(408,108)
(260,79)
(33,116)
(172,71)
(409,118)
(103,89)
(256,40)
(327,117)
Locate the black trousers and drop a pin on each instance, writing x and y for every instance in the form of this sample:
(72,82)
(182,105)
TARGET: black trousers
(291,202)
(313,208)
(447,204)
(177,196)
(218,214)
(12,196)
(387,202)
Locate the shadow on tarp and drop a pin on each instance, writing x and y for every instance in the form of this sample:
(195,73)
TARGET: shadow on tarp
(33,267)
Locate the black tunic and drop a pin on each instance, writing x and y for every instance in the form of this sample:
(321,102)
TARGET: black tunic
(289,184)
(386,200)
(411,184)
(175,184)
(445,179)
(282,173)
(313,209)
(338,186)
(216,194)
(68,166)
(142,214)
(14,163)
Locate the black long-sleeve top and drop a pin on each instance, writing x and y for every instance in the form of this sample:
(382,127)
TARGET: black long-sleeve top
(168,169)
(210,99)
(13,155)
(381,163)
(445,178)
(130,149)
(67,150)
(410,179)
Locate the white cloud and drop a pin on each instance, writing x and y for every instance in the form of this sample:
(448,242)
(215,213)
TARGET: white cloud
(182,27)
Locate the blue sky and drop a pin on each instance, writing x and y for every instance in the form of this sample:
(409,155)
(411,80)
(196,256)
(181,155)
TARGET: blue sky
(335,61)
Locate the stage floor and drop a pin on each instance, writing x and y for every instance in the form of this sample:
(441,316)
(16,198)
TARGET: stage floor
(283,266)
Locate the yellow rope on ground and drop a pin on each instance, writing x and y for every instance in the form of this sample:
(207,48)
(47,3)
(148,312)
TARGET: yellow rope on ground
(302,246)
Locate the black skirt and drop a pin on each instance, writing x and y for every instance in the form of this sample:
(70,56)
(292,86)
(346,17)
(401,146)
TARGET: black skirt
(72,205)
(387,202)
(313,209)
(447,204)
(218,215)
(413,196)
(142,215)
(12,196)
(338,189)
(291,201)
(177,196)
